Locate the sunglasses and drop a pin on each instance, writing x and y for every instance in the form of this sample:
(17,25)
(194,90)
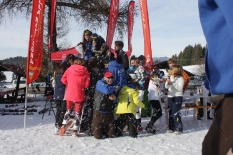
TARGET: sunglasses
(112,77)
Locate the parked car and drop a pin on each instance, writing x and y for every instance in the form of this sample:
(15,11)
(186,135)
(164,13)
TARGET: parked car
(22,83)
(2,86)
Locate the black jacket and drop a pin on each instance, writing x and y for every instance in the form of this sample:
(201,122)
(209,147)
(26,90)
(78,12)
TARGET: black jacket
(122,59)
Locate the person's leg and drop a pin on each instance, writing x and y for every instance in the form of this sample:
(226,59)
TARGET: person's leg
(89,108)
(132,125)
(97,125)
(63,110)
(176,106)
(157,113)
(171,122)
(78,112)
(109,125)
(219,138)
(69,105)
(58,113)
(119,124)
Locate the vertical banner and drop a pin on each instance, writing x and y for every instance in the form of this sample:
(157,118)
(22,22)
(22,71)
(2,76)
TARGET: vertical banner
(52,17)
(146,32)
(35,49)
(130,26)
(112,21)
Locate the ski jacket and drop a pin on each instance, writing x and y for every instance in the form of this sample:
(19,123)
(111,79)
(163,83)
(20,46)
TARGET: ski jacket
(119,73)
(102,103)
(76,78)
(122,59)
(217,22)
(59,88)
(153,92)
(176,88)
(128,99)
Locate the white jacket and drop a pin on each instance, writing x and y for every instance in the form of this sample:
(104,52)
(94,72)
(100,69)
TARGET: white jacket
(176,88)
(153,92)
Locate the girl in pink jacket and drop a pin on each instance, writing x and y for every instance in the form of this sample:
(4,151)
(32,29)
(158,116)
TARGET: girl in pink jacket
(77,79)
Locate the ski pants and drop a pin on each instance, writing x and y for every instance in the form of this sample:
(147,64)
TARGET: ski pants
(174,106)
(157,111)
(103,123)
(77,108)
(219,138)
(126,119)
(61,109)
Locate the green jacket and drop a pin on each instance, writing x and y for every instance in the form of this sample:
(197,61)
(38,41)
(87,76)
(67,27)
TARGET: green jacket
(128,99)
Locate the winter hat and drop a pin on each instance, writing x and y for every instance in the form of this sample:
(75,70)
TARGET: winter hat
(108,74)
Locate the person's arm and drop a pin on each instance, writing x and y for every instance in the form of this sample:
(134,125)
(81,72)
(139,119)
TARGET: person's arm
(87,80)
(105,88)
(178,84)
(64,78)
(125,60)
(136,99)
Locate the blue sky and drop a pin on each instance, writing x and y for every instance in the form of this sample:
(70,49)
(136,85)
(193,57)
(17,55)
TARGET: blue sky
(174,24)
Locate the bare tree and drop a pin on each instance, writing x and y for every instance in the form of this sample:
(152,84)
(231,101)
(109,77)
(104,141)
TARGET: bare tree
(92,14)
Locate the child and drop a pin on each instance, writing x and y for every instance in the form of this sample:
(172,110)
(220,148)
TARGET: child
(76,78)
(153,98)
(103,118)
(175,84)
(128,100)
(59,91)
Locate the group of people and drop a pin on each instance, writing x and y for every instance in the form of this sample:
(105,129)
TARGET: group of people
(111,87)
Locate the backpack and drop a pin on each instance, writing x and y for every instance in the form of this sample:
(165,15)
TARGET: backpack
(186,80)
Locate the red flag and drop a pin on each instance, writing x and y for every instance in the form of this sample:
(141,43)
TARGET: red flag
(35,49)
(146,32)
(53,9)
(130,26)
(112,21)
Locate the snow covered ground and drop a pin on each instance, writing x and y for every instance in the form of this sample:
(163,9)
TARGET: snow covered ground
(39,138)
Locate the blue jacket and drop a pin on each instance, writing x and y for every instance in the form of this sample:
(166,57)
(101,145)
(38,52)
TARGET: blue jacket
(59,89)
(119,73)
(104,88)
(217,23)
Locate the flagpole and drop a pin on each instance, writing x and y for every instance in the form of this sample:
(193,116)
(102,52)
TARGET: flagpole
(25,106)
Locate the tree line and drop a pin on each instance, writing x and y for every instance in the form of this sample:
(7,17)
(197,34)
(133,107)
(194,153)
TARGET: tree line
(191,55)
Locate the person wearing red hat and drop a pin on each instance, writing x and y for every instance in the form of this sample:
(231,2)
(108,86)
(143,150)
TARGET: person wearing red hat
(103,117)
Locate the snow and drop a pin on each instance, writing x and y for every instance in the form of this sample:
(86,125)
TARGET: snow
(38,138)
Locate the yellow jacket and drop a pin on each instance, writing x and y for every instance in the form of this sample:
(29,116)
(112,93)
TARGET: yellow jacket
(128,99)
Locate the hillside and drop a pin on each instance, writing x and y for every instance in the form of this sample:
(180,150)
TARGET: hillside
(18,61)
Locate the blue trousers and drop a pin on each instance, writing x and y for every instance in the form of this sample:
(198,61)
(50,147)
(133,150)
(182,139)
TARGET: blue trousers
(174,105)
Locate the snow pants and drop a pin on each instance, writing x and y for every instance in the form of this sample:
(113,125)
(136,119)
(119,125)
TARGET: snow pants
(174,106)
(103,123)
(77,108)
(219,138)
(157,111)
(126,119)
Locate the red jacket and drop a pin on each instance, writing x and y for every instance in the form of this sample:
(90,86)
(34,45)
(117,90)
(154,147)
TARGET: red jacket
(76,78)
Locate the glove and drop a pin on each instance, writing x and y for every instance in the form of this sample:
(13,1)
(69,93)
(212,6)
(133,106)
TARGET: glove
(141,84)
(131,68)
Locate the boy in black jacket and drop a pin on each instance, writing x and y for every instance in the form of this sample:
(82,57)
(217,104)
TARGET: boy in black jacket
(103,117)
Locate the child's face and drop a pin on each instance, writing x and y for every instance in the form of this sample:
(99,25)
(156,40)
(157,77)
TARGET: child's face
(133,63)
(171,64)
(117,48)
(109,80)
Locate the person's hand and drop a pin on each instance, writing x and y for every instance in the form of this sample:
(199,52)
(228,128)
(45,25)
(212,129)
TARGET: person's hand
(112,97)
(116,88)
(144,108)
(169,81)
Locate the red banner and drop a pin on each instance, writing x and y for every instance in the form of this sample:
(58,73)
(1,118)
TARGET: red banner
(35,49)
(130,26)
(112,21)
(53,9)
(146,32)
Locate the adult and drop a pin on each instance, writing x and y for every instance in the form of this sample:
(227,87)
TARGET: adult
(122,58)
(216,19)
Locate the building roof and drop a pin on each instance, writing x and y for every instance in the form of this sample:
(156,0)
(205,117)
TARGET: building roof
(15,69)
